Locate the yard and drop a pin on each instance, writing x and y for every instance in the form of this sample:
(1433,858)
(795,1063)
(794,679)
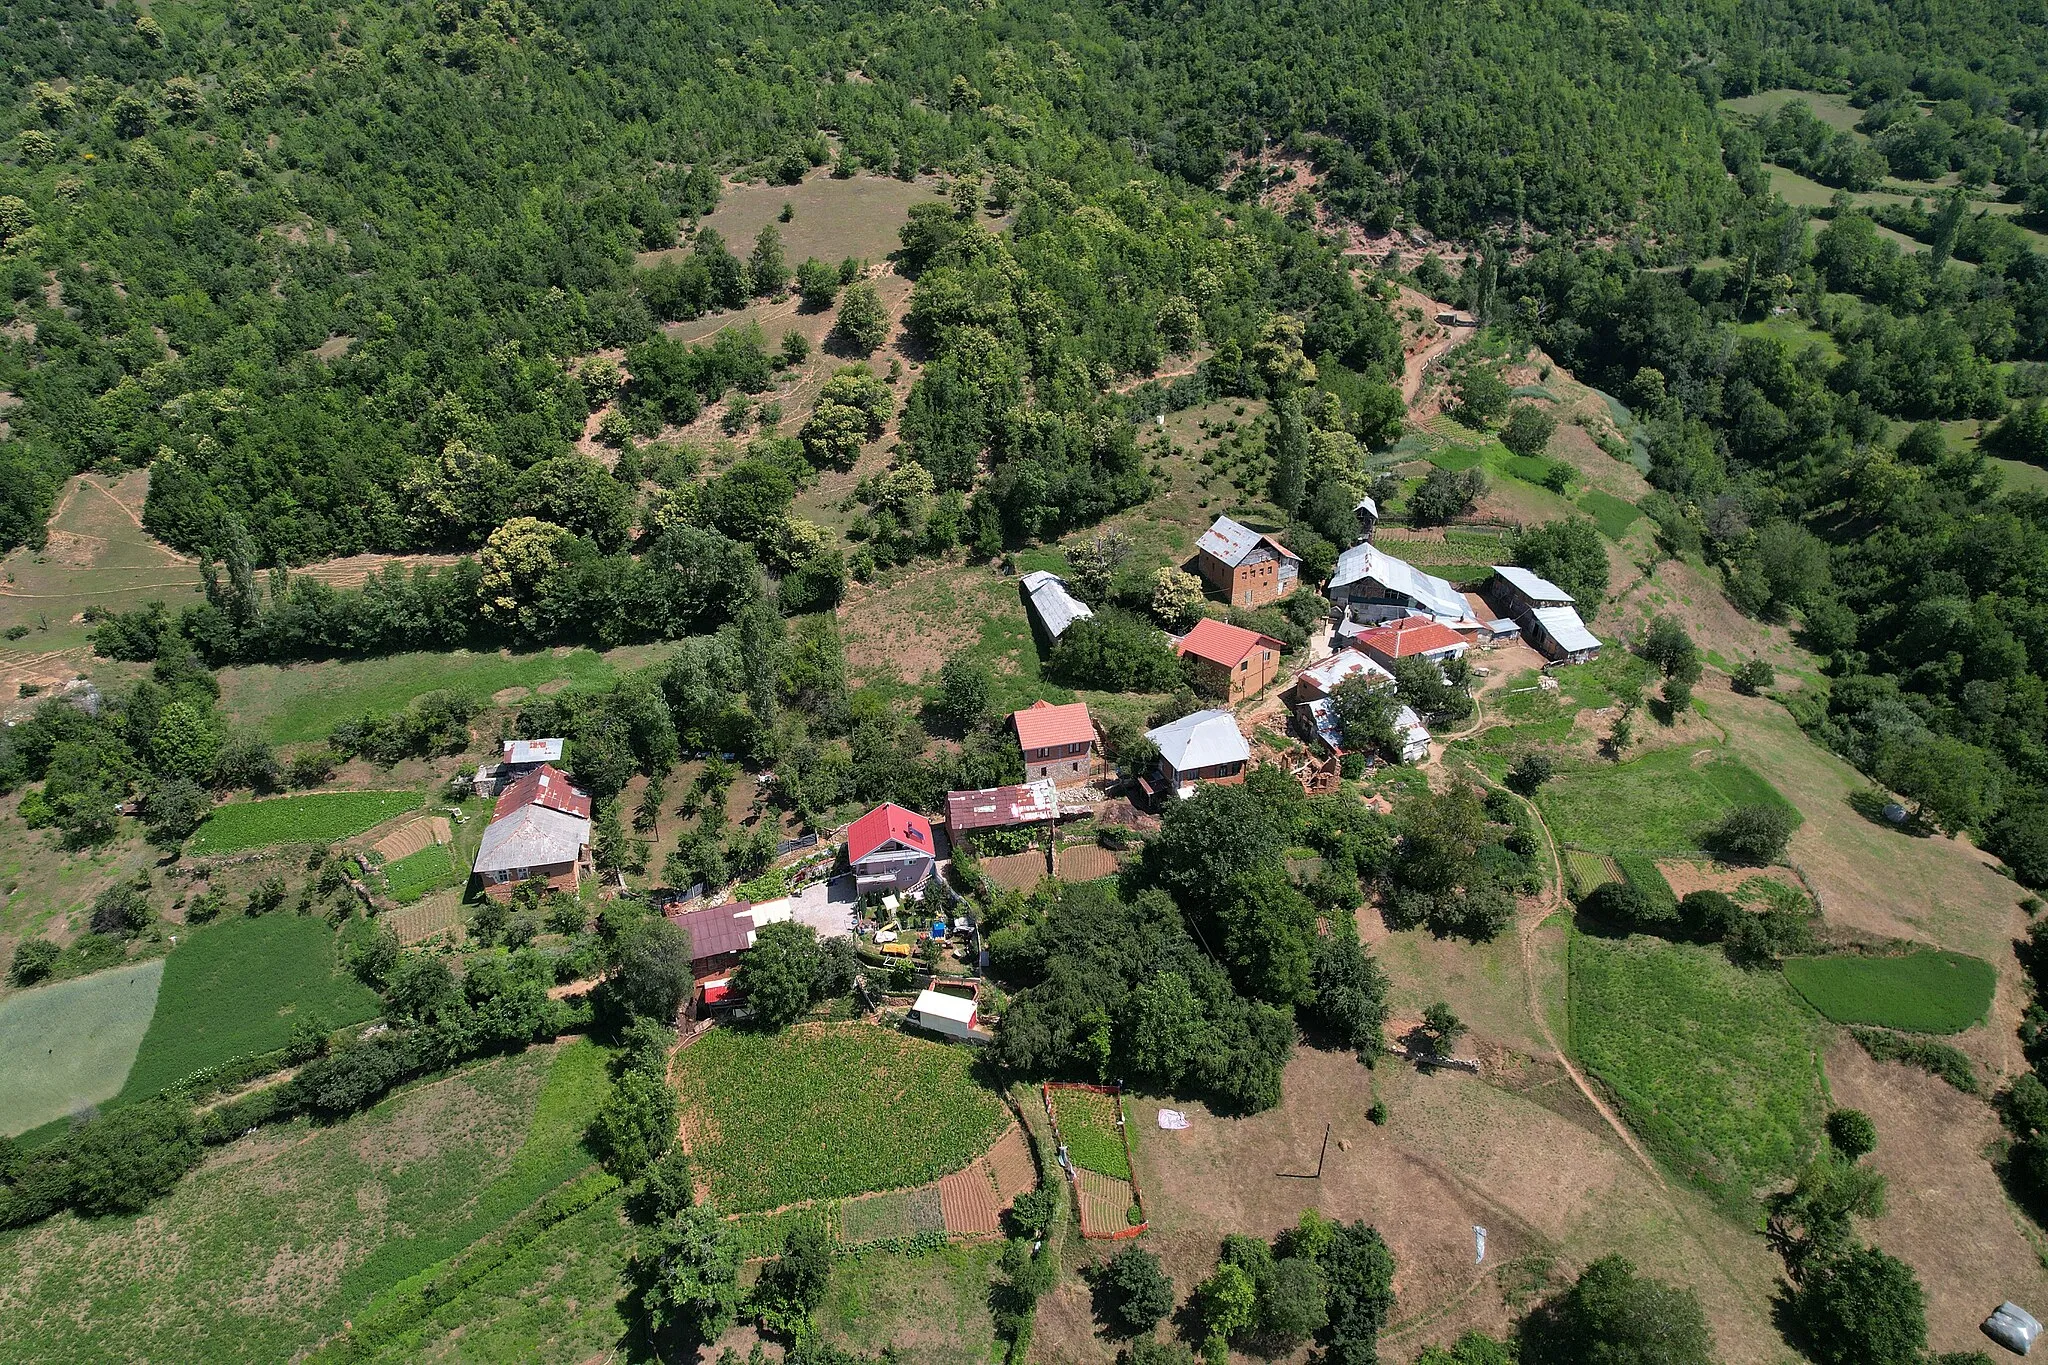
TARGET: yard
(1928,992)
(1666,801)
(70,1045)
(1717,1069)
(827,1110)
(315,818)
(260,1254)
(234,989)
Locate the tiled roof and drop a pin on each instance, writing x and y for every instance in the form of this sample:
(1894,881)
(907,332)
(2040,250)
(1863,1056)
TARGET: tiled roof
(1042,725)
(721,929)
(883,823)
(1411,636)
(1222,643)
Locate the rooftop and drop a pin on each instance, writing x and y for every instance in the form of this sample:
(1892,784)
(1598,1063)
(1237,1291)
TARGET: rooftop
(883,824)
(724,928)
(995,807)
(1409,637)
(1202,740)
(1042,725)
(1055,607)
(937,1003)
(544,786)
(1231,541)
(532,836)
(1345,663)
(1367,561)
(1563,625)
(523,751)
(1222,643)
(1532,586)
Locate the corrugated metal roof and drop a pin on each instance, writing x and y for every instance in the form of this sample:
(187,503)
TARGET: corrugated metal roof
(522,751)
(1563,625)
(1042,725)
(1228,541)
(1201,740)
(1535,587)
(1052,604)
(1345,663)
(941,1005)
(720,929)
(532,836)
(1367,562)
(995,807)
(544,786)
(1369,507)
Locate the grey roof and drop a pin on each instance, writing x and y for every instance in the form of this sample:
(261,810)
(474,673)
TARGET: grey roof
(1409,726)
(1367,561)
(1345,663)
(1323,716)
(522,751)
(1563,625)
(532,836)
(1229,541)
(1369,507)
(1201,740)
(1055,607)
(1532,586)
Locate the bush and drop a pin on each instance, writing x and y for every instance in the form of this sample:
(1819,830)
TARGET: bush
(34,959)
(121,910)
(1863,1308)
(1613,1314)
(1852,1133)
(1134,1291)
(121,1161)
(1528,430)
(1754,676)
(1708,916)
(1752,834)
(1530,772)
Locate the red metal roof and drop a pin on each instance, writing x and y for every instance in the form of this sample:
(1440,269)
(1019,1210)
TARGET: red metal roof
(544,786)
(721,929)
(1042,725)
(884,823)
(1409,636)
(995,807)
(1222,643)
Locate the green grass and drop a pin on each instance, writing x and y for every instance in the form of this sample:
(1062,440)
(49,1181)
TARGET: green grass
(1588,870)
(1662,802)
(305,702)
(932,1308)
(1796,334)
(316,818)
(70,1045)
(1611,514)
(1717,1069)
(1928,992)
(1456,458)
(1641,873)
(824,1111)
(1087,1123)
(262,1254)
(233,990)
(416,874)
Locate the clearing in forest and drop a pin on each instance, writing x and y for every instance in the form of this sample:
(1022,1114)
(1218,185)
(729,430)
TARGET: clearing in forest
(1927,992)
(69,1045)
(1716,1068)
(827,1110)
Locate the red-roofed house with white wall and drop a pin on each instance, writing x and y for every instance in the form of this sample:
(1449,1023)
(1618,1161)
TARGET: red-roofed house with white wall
(890,849)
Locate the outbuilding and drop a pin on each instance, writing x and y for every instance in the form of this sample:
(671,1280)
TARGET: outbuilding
(951,1015)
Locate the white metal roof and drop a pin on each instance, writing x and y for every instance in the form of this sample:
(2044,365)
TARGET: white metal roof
(532,836)
(1367,562)
(1345,663)
(532,751)
(1532,586)
(1369,507)
(940,1005)
(1563,625)
(1229,541)
(1201,740)
(1055,607)
(1323,715)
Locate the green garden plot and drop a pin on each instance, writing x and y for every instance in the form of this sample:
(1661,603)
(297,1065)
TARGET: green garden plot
(234,989)
(414,875)
(1611,514)
(316,818)
(70,1045)
(1929,992)
(1664,802)
(1088,1125)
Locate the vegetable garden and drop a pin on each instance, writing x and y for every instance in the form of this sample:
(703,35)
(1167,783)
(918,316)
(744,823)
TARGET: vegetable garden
(1926,992)
(315,818)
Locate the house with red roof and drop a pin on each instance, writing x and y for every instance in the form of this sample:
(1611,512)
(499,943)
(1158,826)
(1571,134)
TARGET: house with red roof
(1410,638)
(890,849)
(540,827)
(1058,741)
(1234,662)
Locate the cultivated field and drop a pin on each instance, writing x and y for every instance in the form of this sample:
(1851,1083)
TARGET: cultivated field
(826,1110)
(279,1238)
(1088,1125)
(234,989)
(1716,1068)
(315,818)
(1661,802)
(70,1045)
(414,875)
(1927,992)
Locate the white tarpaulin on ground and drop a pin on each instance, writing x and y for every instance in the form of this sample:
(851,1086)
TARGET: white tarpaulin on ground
(1478,1244)
(1172,1119)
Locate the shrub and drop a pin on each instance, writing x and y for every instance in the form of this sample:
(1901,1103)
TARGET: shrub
(1754,676)
(1707,916)
(1863,1308)
(34,959)
(1136,1293)
(1530,772)
(1528,429)
(1852,1132)
(124,1159)
(1613,1314)
(1752,834)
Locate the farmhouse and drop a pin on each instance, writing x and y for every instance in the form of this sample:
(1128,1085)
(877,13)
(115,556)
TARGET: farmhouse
(1052,607)
(1545,612)
(1058,741)
(1325,677)
(516,758)
(1204,747)
(969,813)
(890,849)
(1247,568)
(955,1016)
(1233,661)
(1412,637)
(1318,720)
(540,828)
(1370,585)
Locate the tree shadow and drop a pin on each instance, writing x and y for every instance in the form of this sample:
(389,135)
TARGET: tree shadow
(1879,809)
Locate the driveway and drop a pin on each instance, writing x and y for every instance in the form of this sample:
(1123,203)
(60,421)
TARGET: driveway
(826,906)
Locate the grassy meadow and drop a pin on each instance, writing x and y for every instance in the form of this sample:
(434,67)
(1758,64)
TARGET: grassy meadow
(71,1044)
(314,818)
(821,1111)
(1665,801)
(235,988)
(1611,514)
(1927,992)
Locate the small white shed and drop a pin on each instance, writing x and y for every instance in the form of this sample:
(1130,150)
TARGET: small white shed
(951,1015)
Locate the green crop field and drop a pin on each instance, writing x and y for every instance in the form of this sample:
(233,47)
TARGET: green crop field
(1088,1126)
(259,1256)
(233,990)
(1611,514)
(70,1045)
(1716,1068)
(1929,992)
(1589,870)
(316,818)
(1663,802)
(824,1111)
(416,874)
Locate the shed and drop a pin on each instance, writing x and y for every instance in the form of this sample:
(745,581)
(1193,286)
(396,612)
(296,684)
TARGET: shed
(952,1015)
(1053,608)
